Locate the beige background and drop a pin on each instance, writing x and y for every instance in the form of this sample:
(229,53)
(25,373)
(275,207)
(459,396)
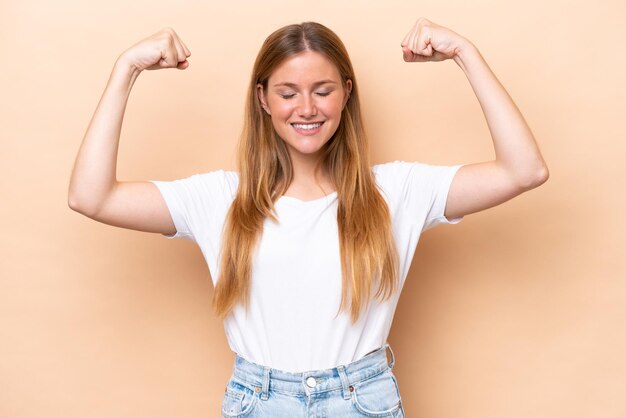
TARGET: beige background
(518,311)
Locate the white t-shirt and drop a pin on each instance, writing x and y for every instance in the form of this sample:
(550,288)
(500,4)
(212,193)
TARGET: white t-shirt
(296,273)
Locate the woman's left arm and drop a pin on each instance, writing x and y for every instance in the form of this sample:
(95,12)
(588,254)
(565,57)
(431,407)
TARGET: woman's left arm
(518,166)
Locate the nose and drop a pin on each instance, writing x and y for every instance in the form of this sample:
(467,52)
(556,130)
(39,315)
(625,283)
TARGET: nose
(306,106)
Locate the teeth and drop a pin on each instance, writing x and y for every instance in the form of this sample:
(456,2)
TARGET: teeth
(307,126)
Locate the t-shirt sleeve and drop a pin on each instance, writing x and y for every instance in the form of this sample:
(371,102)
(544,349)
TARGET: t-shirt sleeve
(439,179)
(422,189)
(194,202)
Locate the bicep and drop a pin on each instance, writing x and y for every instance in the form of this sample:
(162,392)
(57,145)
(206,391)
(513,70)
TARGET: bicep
(136,205)
(479,186)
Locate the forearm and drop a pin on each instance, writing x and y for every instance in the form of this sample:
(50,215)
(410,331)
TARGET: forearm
(514,144)
(94,173)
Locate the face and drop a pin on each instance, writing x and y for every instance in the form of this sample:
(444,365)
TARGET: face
(305,98)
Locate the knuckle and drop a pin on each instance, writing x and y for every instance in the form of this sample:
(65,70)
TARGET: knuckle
(169,41)
(169,32)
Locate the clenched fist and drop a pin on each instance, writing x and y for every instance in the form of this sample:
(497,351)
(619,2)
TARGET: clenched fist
(164,49)
(427,41)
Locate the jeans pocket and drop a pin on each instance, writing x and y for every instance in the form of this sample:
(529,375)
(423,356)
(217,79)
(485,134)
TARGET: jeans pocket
(239,399)
(377,396)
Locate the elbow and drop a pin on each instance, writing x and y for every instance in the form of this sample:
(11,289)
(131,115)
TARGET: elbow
(77,205)
(85,199)
(544,175)
(74,204)
(540,177)
(73,200)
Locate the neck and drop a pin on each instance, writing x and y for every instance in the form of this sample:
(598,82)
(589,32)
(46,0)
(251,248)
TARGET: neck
(309,173)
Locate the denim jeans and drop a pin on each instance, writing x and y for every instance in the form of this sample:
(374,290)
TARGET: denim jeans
(363,388)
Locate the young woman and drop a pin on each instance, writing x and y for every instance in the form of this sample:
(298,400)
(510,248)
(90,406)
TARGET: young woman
(308,246)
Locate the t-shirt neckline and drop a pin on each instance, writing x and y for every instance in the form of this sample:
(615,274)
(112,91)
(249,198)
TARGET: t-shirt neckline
(307,202)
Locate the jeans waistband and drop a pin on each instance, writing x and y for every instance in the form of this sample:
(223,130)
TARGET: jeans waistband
(262,378)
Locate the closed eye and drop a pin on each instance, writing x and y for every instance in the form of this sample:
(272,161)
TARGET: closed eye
(289,96)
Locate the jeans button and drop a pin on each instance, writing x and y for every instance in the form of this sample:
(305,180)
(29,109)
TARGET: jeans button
(310,381)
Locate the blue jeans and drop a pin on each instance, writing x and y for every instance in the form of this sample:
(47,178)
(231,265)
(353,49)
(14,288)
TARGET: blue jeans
(363,388)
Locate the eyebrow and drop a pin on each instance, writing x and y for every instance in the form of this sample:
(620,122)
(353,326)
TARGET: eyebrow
(293,85)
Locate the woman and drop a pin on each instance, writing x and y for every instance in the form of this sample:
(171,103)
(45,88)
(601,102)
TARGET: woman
(308,246)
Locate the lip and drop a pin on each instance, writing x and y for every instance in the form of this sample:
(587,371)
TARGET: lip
(307,132)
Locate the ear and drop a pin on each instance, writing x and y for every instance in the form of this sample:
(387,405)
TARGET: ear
(261,95)
(348,91)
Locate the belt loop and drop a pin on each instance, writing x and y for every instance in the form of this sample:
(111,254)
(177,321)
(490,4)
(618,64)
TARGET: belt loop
(344,381)
(393,358)
(266,384)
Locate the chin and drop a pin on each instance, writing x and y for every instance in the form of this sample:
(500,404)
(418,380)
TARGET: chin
(308,151)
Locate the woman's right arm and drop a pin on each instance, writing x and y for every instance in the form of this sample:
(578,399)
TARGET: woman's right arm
(94,189)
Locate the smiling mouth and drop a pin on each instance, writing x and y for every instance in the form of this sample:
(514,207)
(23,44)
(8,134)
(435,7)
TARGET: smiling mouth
(307,126)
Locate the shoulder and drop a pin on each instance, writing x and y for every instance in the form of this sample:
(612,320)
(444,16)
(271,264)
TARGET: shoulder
(394,172)
(391,167)
(401,166)
(221,178)
(230,179)
(420,180)
(392,178)
(220,183)
(399,171)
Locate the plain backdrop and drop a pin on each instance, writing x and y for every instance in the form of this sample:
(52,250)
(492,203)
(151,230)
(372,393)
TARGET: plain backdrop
(518,311)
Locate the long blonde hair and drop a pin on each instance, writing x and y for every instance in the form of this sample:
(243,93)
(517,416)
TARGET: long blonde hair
(368,253)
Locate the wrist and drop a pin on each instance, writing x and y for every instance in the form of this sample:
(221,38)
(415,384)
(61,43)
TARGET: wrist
(464,52)
(125,66)
(124,71)
(123,76)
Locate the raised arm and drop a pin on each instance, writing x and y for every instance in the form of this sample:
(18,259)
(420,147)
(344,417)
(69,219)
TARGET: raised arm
(94,189)
(519,165)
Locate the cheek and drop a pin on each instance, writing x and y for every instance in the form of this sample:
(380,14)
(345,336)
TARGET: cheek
(281,109)
(333,108)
